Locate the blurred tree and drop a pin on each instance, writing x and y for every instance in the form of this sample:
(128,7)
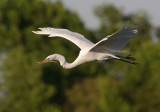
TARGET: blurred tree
(129,88)
(31,87)
(94,87)
(158,32)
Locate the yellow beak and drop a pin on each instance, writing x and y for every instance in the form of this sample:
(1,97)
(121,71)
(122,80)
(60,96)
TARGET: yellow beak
(45,61)
(42,62)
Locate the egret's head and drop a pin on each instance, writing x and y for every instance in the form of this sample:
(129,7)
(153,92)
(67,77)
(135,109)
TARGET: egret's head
(50,58)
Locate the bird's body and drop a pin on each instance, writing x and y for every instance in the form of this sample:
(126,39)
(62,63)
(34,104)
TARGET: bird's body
(107,48)
(83,57)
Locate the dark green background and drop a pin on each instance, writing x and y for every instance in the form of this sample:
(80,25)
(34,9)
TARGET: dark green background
(110,86)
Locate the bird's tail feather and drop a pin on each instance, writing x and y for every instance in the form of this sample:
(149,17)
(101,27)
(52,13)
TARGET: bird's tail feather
(119,52)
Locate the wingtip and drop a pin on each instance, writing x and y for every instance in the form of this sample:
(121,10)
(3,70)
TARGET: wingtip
(37,32)
(41,29)
(134,29)
(34,32)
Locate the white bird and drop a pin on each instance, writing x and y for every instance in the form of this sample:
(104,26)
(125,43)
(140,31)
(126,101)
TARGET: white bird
(107,48)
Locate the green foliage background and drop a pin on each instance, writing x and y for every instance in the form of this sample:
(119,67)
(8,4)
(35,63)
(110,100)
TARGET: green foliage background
(112,86)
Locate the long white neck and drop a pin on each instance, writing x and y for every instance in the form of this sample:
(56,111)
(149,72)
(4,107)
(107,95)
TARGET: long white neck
(65,64)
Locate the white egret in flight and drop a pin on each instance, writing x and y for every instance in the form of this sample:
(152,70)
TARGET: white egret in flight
(107,48)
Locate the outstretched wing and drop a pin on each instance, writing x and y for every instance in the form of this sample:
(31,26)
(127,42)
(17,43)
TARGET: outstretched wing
(74,37)
(115,41)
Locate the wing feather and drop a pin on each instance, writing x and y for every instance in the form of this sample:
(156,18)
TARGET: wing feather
(116,41)
(74,37)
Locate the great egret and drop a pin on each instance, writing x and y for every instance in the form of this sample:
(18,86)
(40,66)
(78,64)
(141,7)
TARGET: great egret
(107,48)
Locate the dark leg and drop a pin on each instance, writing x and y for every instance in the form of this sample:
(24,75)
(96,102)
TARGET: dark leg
(128,61)
(127,57)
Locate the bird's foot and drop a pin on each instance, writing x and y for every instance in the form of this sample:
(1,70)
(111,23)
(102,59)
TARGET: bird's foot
(132,62)
(130,58)
(128,61)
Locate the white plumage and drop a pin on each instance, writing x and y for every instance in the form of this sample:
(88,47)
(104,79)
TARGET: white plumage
(107,48)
